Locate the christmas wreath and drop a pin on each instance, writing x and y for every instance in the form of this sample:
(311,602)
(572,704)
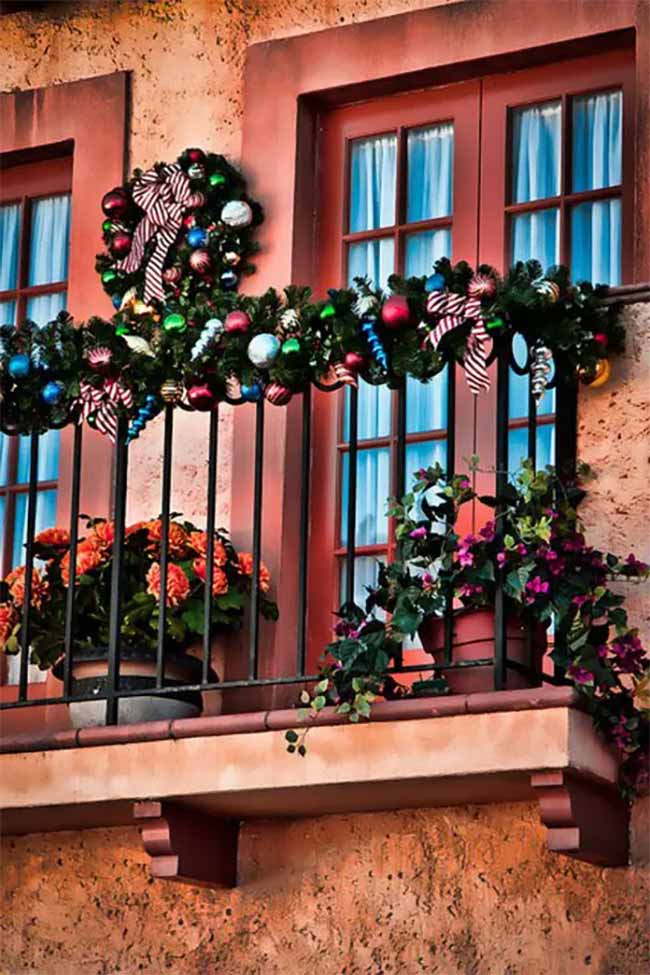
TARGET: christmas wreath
(180,236)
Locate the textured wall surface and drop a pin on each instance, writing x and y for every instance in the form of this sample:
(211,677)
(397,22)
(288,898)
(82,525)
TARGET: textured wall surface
(454,892)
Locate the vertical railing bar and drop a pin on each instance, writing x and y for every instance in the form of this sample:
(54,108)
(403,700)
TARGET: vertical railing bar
(451,470)
(253,662)
(303,554)
(532,424)
(400,469)
(503,375)
(213,445)
(165,503)
(352,493)
(566,432)
(32,499)
(68,637)
(115,609)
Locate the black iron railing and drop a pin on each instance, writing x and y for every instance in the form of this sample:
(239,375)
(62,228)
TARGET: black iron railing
(565,445)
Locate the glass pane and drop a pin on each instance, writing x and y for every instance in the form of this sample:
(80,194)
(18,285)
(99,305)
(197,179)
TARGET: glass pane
(424,454)
(596,242)
(5,443)
(430,155)
(518,446)
(372,183)
(537,236)
(423,250)
(7,312)
(48,457)
(365,574)
(518,387)
(373,487)
(48,252)
(426,404)
(373,416)
(9,236)
(45,518)
(44,308)
(536,151)
(372,259)
(597,140)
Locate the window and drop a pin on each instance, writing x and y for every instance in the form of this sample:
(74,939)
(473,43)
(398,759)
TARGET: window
(525,165)
(34,238)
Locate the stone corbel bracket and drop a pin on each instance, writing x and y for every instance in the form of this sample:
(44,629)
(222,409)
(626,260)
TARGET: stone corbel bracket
(187,845)
(585,819)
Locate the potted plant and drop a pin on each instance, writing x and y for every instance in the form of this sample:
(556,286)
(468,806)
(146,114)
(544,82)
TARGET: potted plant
(186,573)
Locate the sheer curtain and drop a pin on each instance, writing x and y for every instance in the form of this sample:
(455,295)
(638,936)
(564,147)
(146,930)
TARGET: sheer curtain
(50,230)
(536,162)
(9,224)
(430,158)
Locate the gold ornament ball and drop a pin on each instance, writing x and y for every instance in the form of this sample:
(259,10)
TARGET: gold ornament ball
(602,374)
(171,391)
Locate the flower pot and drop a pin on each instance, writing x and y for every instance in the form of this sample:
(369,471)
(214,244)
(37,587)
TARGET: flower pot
(473,639)
(137,672)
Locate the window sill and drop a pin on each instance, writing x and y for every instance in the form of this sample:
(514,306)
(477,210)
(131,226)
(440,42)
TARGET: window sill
(500,747)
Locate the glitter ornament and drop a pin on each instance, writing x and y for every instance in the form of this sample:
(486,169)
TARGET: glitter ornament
(196,171)
(395,312)
(374,344)
(197,237)
(175,322)
(52,393)
(201,397)
(200,261)
(171,391)
(19,366)
(115,203)
(539,370)
(210,333)
(288,325)
(263,350)
(237,321)
(548,290)
(277,394)
(237,213)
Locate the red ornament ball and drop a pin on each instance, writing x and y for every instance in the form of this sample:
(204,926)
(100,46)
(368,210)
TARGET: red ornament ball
(189,221)
(201,397)
(172,274)
(354,361)
(121,244)
(601,338)
(237,321)
(115,203)
(395,312)
(277,395)
(196,155)
(200,261)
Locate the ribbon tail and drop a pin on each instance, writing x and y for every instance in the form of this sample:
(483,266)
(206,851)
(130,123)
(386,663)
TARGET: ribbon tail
(153,283)
(475,360)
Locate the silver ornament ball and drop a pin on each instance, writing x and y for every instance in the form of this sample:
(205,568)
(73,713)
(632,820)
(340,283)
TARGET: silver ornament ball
(263,349)
(237,213)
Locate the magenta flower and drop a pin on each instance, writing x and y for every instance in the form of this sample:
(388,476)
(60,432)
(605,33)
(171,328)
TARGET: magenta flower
(629,654)
(537,586)
(633,563)
(581,600)
(468,590)
(488,531)
(464,484)
(580,674)
(428,582)
(502,558)
(466,558)
(420,532)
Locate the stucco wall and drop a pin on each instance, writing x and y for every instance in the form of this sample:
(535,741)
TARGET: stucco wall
(455,892)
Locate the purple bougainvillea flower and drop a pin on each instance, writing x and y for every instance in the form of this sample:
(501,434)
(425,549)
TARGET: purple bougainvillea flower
(420,532)
(629,653)
(580,674)
(488,531)
(502,558)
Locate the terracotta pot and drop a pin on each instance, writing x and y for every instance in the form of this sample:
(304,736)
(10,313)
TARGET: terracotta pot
(473,639)
(137,672)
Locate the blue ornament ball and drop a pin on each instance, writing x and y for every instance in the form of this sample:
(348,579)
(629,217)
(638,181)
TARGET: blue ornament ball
(19,366)
(435,282)
(228,280)
(117,301)
(197,237)
(251,393)
(51,393)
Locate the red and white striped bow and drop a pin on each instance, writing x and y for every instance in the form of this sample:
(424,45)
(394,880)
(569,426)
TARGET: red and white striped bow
(102,402)
(453,310)
(164,196)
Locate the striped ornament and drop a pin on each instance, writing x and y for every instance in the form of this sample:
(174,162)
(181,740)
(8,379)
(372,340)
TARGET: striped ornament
(164,196)
(453,310)
(102,403)
(338,372)
(288,325)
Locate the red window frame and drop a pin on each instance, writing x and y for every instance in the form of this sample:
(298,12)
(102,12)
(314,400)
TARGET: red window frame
(481,112)
(24,184)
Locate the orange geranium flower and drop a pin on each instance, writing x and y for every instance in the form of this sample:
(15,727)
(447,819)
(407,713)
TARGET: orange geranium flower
(16,582)
(54,537)
(8,619)
(138,526)
(177,538)
(219,577)
(102,535)
(89,556)
(245,560)
(178,586)
(198,542)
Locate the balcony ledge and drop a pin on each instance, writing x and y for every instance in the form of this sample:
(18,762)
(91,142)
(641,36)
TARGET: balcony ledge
(198,777)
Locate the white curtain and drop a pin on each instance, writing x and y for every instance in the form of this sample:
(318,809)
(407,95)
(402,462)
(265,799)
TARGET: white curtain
(43,308)
(372,259)
(373,488)
(430,155)
(537,147)
(372,184)
(50,231)
(9,223)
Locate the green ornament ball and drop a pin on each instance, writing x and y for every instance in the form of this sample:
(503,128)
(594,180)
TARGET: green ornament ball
(122,330)
(174,322)
(107,226)
(290,346)
(109,276)
(495,324)
(217,179)
(328,311)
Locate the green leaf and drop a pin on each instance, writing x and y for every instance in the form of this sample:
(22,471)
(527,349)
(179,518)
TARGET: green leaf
(319,702)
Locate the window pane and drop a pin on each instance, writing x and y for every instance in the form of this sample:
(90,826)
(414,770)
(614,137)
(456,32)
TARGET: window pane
(5,443)
(537,236)
(426,404)
(373,412)
(48,253)
(9,235)
(423,250)
(365,574)
(430,154)
(372,183)
(536,151)
(45,518)
(44,308)
(518,386)
(7,312)
(518,446)
(424,454)
(373,487)
(597,139)
(596,242)
(48,457)
(372,259)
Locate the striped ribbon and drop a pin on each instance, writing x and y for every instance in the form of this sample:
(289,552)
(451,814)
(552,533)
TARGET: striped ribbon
(453,310)
(103,403)
(164,196)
